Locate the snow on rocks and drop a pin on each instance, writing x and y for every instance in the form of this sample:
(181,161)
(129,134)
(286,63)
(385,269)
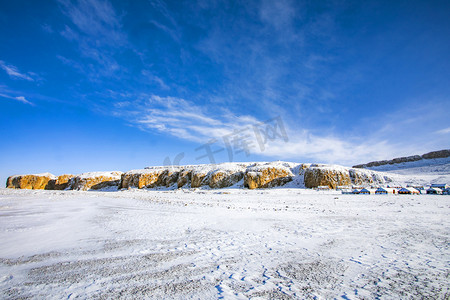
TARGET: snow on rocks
(214,176)
(334,175)
(145,178)
(199,176)
(226,175)
(268,175)
(184,178)
(60,183)
(331,176)
(217,176)
(248,175)
(30,181)
(365,177)
(95,180)
(224,178)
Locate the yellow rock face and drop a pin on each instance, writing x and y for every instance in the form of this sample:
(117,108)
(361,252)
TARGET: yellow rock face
(30,182)
(315,177)
(94,182)
(145,179)
(267,177)
(222,179)
(150,180)
(61,183)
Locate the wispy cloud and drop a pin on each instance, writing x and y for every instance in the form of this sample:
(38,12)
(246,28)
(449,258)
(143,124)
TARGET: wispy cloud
(278,14)
(47,28)
(14,72)
(17,98)
(249,62)
(95,18)
(156,79)
(97,29)
(23,100)
(180,118)
(443,131)
(185,120)
(273,62)
(162,8)
(171,26)
(330,149)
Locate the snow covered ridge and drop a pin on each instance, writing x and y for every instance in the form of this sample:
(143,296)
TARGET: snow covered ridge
(47,181)
(408,159)
(251,175)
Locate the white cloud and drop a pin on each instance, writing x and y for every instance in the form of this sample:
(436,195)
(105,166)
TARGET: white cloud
(95,18)
(97,30)
(329,149)
(174,33)
(14,72)
(185,120)
(443,131)
(162,8)
(169,25)
(156,79)
(23,100)
(17,98)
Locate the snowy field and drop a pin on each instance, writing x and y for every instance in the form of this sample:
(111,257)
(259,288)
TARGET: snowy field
(209,244)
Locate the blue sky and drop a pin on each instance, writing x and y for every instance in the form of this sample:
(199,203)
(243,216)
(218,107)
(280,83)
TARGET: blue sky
(103,85)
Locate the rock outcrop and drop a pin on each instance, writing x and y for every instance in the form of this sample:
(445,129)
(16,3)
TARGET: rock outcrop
(430,155)
(60,183)
(95,180)
(367,177)
(30,181)
(250,175)
(226,175)
(170,177)
(326,176)
(199,177)
(333,176)
(222,179)
(267,176)
(146,178)
(437,154)
(360,178)
(184,178)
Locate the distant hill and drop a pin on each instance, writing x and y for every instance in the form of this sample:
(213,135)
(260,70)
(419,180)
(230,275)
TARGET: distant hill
(437,162)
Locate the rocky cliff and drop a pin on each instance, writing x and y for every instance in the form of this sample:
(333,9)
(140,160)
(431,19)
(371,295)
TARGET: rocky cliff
(334,176)
(146,178)
(60,183)
(267,176)
(30,181)
(248,175)
(94,180)
(326,176)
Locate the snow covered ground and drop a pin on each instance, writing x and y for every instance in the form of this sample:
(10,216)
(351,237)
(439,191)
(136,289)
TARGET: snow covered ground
(228,243)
